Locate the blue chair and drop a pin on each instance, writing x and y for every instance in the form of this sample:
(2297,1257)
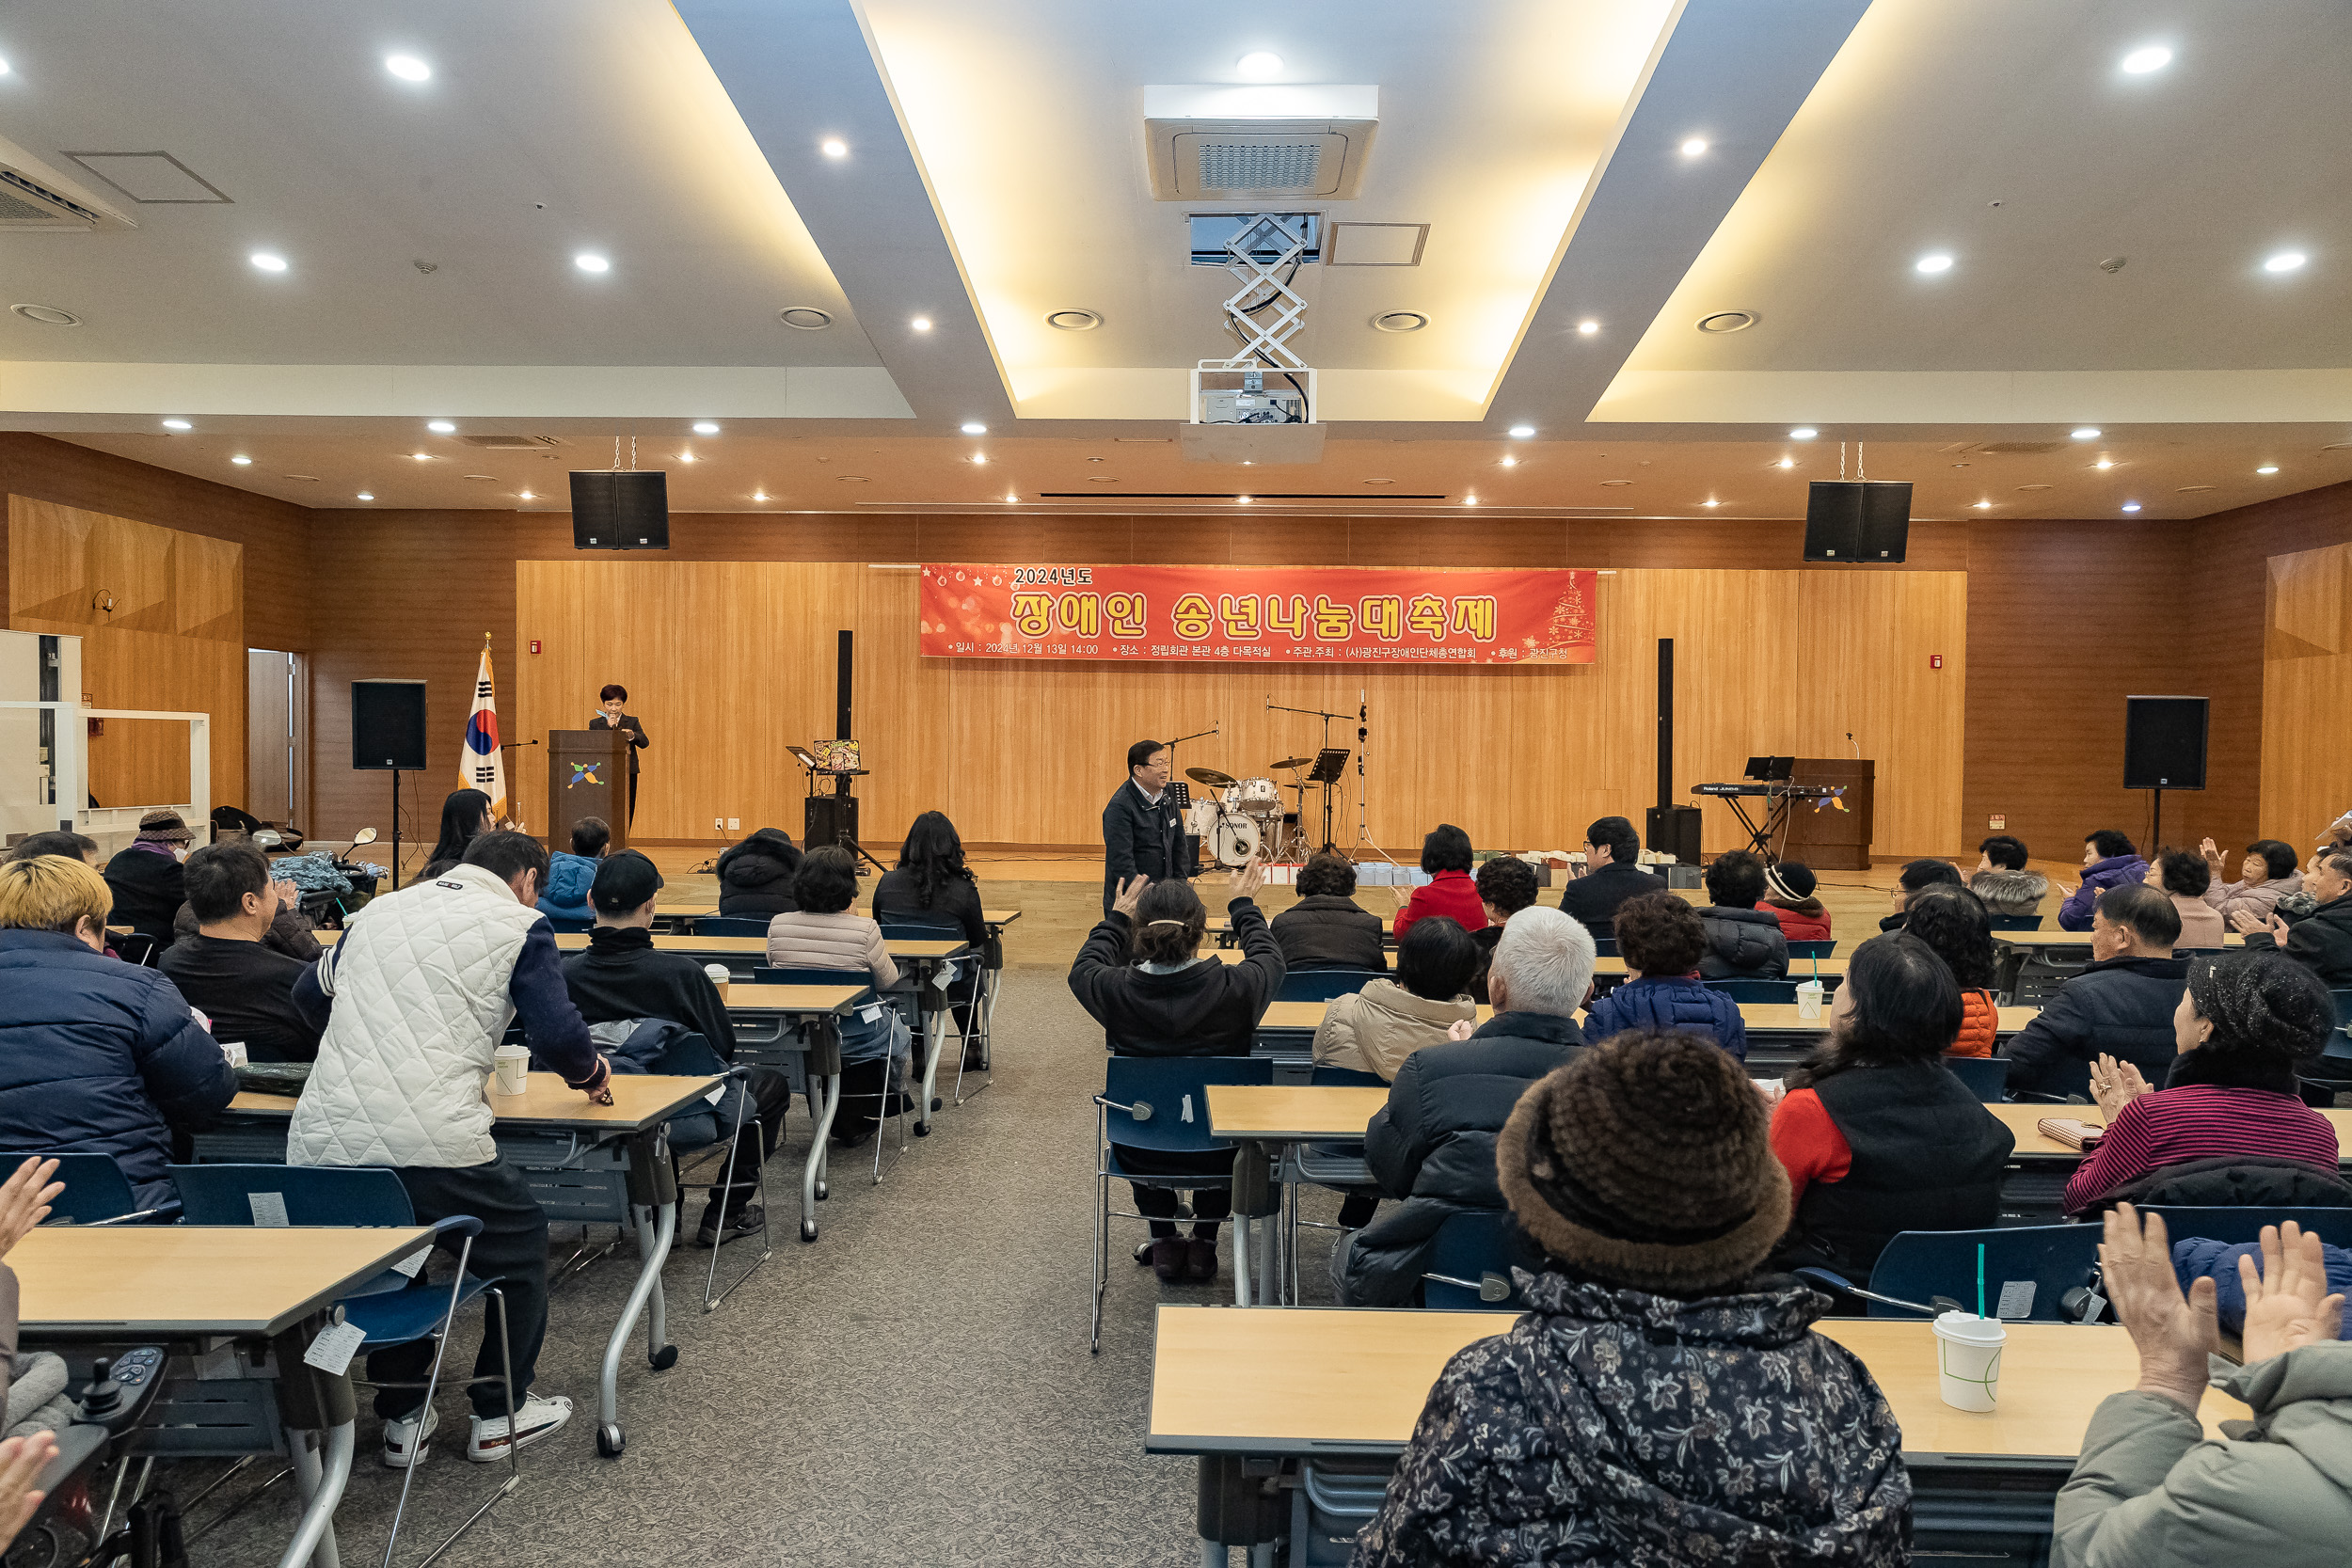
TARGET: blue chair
(728,925)
(1919,1265)
(1756,991)
(96,1191)
(963,987)
(1605,948)
(1812,949)
(1159,1103)
(1337,1165)
(2014,922)
(412,1310)
(1322,985)
(1470,1265)
(1344,1078)
(1987,1077)
(784,974)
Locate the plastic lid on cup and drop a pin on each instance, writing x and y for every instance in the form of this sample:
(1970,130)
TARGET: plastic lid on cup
(1969,1328)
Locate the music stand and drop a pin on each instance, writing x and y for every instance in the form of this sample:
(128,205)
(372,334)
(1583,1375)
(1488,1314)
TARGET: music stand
(845,814)
(1329,763)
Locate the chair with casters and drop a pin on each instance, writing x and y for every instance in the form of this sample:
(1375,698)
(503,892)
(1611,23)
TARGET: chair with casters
(729,926)
(1987,1077)
(799,976)
(1324,985)
(96,1191)
(2038,1274)
(965,1000)
(697,1137)
(391,1310)
(1814,950)
(1160,1103)
(1469,1264)
(1756,991)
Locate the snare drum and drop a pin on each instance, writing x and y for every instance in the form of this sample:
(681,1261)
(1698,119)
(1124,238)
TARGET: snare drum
(1201,818)
(1260,798)
(1234,842)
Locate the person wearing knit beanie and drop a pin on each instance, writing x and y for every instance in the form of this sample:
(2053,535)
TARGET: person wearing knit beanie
(1643,1412)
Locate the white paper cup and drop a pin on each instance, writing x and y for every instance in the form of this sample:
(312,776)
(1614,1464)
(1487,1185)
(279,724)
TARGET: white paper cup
(514,1070)
(1968,1359)
(719,974)
(1809,999)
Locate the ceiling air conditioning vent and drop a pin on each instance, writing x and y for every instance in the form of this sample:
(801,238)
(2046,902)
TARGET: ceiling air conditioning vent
(1250,144)
(33,197)
(512,443)
(2017,449)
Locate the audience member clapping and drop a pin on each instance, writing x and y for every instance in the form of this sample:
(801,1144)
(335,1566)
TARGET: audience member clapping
(2109,861)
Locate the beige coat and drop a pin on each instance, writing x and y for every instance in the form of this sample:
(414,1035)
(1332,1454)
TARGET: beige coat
(2256,900)
(1376,1028)
(2201,922)
(797,940)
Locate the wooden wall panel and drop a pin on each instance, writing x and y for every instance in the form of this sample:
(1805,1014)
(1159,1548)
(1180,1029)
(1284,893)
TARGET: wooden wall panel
(173,641)
(2307,682)
(726,662)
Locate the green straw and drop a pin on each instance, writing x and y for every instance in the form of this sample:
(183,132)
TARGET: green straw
(1979,1279)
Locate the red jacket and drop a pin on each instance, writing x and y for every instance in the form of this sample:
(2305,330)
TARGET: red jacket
(1448,892)
(1796,925)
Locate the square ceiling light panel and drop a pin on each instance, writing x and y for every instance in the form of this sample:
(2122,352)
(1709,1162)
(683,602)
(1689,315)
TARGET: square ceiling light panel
(152,179)
(1377,245)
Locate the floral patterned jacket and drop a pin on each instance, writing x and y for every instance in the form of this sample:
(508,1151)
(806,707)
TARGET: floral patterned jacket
(1612,1426)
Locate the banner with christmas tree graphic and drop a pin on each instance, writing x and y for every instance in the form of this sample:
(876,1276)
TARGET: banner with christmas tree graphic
(1321,614)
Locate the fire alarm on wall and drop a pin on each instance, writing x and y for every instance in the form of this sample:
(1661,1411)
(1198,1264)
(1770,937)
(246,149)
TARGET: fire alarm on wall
(1997,823)
(534,644)
(1935,662)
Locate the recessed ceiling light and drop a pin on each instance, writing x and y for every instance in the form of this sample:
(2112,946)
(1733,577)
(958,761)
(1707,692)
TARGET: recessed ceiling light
(1398,321)
(1011,498)
(686,457)
(760,495)
(1984,506)
(588,260)
(833,146)
(1711,502)
(974,427)
(1616,484)
(1935,261)
(1788,462)
(1695,146)
(1471,500)
(921,324)
(1803,433)
(2286,261)
(268,261)
(850,479)
(439,427)
(4,68)
(1588,328)
(2140,62)
(1244,499)
(422,456)
(1379,482)
(240,460)
(2267,468)
(1073,321)
(1510,462)
(1721,321)
(2104,463)
(367,495)
(979,457)
(2085,433)
(48,315)
(705,427)
(804,318)
(409,68)
(178,424)
(1259,65)
(1522,432)
(2131,506)
(528,497)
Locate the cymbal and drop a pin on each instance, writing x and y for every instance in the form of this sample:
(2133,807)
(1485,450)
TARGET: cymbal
(1211,777)
(1307,761)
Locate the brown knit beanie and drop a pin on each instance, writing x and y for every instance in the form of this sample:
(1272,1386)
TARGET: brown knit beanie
(1645,1162)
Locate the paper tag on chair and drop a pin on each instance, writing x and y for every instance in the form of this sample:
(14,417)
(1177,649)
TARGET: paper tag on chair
(717,1092)
(414,1263)
(1187,1108)
(870,1014)
(2016,1299)
(269,1209)
(332,1351)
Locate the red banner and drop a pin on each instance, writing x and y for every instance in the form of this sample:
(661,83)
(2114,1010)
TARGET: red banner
(1370,614)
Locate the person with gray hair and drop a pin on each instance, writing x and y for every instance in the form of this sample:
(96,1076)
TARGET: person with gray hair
(1433,1144)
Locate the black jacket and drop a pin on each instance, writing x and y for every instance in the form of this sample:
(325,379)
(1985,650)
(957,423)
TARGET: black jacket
(1433,1144)
(289,932)
(148,889)
(623,975)
(247,989)
(1210,1009)
(1139,839)
(1594,899)
(755,877)
(956,904)
(637,741)
(1329,931)
(1742,944)
(2320,941)
(2123,1008)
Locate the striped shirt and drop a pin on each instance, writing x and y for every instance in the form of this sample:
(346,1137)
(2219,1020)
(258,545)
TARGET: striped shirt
(2200,1121)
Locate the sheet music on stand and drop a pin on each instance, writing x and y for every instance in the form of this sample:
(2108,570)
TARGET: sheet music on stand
(1330,763)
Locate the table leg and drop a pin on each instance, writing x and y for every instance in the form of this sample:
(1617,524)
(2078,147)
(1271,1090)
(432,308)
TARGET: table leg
(1240,1259)
(1269,1283)
(653,1205)
(826,1089)
(319,1479)
(934,1043)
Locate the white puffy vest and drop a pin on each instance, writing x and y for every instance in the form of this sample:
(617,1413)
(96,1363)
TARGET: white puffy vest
(419,982)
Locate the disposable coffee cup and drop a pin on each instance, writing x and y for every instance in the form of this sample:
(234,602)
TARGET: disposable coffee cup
(719,974)
(1968,1359)
(1809,999)
(514,1068)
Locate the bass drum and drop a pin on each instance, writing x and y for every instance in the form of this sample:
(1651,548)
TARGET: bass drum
(1234,842)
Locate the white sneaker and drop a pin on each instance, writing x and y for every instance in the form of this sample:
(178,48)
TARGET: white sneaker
(409,1442)
(541,1415)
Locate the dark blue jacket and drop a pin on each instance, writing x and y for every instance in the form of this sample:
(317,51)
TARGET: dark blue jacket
(101,1056)
(1669,1002)
(564,895)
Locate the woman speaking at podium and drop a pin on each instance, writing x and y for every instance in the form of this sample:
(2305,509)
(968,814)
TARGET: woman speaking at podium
(610,703)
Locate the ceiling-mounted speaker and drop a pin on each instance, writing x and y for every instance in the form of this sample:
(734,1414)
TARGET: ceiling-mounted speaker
(620,510)
(1862,521)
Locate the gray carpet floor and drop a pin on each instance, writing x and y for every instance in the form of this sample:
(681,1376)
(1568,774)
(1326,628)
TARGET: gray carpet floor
(912,1387)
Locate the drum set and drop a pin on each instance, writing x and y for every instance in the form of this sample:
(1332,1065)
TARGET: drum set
(1239,820)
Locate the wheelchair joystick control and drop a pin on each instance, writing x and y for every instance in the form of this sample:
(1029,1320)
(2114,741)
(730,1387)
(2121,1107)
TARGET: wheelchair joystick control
(103,1397)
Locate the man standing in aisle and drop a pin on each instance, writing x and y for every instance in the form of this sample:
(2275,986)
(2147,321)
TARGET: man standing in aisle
(1142,830)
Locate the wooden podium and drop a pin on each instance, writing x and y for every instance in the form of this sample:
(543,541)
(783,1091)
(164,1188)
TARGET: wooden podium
(1831,839)
(587,776)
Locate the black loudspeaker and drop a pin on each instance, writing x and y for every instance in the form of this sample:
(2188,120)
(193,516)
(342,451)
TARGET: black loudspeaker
(1858,520)
(829,817)
(620,510)
(387,726)
(1674,831)
(2164,742)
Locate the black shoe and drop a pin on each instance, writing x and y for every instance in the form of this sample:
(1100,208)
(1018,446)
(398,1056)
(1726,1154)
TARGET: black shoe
(747,1221)
(1168,1258)
(852,1140)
